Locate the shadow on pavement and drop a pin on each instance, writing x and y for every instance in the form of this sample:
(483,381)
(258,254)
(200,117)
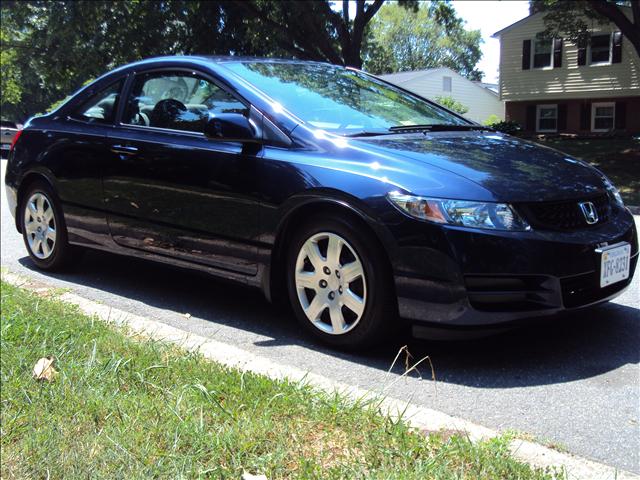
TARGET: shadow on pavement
(582,345)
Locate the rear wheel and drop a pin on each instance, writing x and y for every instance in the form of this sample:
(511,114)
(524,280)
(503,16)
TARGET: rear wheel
(43,228)
(338,284)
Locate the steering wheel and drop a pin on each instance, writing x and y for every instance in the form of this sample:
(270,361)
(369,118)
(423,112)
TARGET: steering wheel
(166,112)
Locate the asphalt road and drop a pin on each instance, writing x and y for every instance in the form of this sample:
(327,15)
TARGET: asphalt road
(574,383)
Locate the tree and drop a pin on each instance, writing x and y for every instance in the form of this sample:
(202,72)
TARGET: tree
(452,104)
(50,48)
(572,18)
(9,74)
(53,47)
(432,37)
(313,30)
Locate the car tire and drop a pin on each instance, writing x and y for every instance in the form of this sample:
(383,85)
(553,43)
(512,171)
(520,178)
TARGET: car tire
(345,297)
(44,230)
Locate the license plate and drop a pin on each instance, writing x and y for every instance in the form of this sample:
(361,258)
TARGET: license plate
(614,263)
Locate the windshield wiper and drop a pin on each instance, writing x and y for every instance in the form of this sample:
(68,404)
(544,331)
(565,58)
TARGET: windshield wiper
(432,127)
(368,133)
(438,127)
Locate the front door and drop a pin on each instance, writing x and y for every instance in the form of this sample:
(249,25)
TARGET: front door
(170,190)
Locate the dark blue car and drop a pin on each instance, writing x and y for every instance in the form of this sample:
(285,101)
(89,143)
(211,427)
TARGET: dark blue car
(359,203)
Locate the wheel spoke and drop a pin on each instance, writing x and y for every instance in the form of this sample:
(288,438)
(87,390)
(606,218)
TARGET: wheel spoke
(352,271)
(33,209)
(37,243)
(334,249)
(313,254)
(315,309)
(48,215)
(40,205)
(353,302)
(46,250)
(51,234)
(30,227)
(337,319)
(307,280)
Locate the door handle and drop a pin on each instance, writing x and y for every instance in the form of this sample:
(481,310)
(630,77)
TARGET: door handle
(124,150)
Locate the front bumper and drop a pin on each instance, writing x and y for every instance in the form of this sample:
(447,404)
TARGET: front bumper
(457,277)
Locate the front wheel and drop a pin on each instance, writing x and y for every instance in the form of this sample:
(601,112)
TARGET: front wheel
(338,284)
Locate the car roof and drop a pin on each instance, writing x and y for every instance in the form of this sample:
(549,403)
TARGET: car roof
(221,59)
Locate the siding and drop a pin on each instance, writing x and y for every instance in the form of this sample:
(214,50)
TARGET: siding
(569,81)
(481,102)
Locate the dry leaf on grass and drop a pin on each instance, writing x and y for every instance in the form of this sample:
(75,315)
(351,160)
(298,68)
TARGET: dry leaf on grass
(43,369)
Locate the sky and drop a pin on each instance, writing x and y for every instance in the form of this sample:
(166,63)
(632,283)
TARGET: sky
(489,17)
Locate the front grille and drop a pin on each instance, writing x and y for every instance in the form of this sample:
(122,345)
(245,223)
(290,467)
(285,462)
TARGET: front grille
(564,215)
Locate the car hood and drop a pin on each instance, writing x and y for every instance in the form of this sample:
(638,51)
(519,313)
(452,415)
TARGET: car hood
(511,169)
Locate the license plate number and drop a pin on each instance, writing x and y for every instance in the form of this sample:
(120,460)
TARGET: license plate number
(614,264)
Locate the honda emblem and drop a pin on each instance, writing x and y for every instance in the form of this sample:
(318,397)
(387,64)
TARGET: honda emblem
(589,211)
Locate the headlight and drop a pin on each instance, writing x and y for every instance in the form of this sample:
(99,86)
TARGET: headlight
(494,216)
(614,193)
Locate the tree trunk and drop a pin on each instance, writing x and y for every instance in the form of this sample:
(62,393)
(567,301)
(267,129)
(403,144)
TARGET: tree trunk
(629,29)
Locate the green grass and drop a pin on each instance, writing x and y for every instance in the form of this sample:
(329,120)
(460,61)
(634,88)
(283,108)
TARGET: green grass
(618,158)
(122,407)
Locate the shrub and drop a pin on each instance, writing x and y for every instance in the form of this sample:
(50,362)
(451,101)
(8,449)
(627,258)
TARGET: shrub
(452,104)
(506,126)
(492,119)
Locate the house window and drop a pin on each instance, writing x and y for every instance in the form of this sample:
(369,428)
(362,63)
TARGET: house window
(603,116)
(542,55)
(547,118)
(446,84)
(600,49)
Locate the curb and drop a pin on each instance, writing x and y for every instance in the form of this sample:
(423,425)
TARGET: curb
(421,418)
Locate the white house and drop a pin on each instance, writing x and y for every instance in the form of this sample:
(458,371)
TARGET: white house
(482,102)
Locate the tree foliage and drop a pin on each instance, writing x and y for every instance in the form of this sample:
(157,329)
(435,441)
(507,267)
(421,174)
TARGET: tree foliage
(434,36)
(452,104)
(573,18)
(57,45)
(50,48)
(313,30)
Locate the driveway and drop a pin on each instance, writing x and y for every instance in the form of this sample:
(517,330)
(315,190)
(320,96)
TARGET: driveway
(572,383)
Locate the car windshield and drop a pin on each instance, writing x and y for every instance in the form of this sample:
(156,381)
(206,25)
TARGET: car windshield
(340,100)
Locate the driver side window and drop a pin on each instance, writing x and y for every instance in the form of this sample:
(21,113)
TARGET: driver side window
(177,101)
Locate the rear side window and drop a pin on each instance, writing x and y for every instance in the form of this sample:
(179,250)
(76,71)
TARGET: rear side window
(177,101)
(5,124)
(101,107)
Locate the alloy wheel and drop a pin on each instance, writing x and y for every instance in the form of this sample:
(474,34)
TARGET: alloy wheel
(330,283)
(40,225)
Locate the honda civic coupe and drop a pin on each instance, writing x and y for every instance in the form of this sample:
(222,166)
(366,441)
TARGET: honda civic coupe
(362,205)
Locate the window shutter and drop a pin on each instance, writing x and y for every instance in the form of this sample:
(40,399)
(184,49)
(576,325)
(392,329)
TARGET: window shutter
(530,123)
(557,52)
(585,116)
(621,115)
(526,54)
(562,117)
(616,54)
(582,53)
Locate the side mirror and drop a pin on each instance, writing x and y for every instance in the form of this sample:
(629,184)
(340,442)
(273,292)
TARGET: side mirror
(230,127)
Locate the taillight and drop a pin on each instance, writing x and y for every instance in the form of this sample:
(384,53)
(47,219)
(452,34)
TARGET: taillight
(15,139)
